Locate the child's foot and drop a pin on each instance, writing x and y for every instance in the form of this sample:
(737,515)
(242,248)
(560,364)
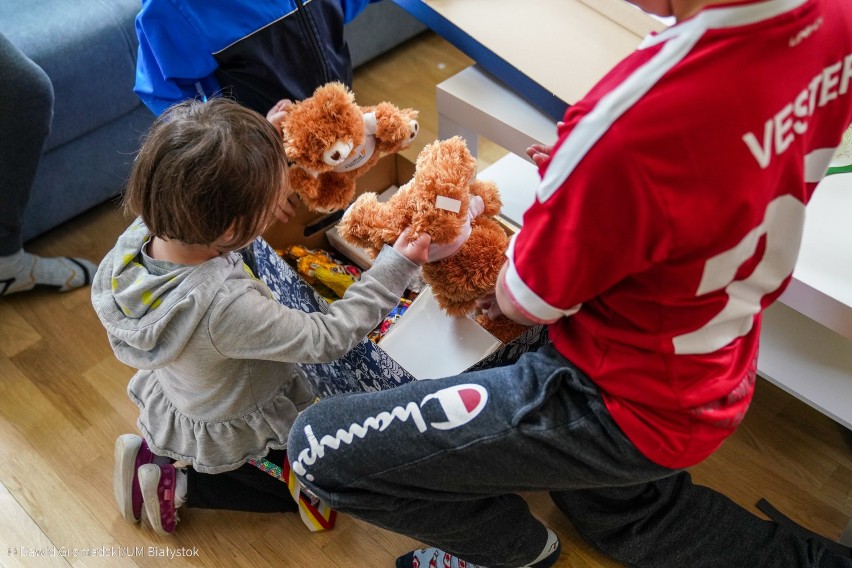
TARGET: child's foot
(23,271)
(429,557)
(158,484)
(131,452)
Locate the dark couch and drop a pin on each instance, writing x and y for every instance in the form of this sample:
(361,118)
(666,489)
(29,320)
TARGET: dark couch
(88,49)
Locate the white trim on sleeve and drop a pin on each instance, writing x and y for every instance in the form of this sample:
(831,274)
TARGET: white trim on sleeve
(527,301)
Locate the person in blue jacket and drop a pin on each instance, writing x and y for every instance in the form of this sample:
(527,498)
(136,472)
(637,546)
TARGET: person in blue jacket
(258,53)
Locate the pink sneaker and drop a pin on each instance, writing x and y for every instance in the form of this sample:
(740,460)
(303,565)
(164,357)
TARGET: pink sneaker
(157,484)
(131,451)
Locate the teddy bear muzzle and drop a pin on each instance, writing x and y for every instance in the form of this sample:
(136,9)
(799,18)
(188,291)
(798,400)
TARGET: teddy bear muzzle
(337,153)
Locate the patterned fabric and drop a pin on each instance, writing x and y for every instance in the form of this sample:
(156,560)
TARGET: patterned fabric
(530,340)
(366,368)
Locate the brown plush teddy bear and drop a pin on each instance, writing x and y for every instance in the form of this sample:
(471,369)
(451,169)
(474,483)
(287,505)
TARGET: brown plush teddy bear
(444,199)
(330,141)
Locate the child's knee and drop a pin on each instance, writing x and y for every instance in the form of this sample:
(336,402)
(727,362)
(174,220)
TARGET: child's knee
(303,448)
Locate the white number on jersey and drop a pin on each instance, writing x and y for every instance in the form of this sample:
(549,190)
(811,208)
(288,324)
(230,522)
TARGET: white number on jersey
(782,226)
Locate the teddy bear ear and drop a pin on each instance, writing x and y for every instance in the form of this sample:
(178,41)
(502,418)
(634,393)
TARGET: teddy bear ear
(334,93)
(342,89)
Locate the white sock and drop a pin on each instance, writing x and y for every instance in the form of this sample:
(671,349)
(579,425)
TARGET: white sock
(22,271)
(180,486)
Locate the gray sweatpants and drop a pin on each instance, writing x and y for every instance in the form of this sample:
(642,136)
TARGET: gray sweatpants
(441,461)
(26,112)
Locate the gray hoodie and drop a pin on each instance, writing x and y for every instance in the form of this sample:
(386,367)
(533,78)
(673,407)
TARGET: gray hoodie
(218,380)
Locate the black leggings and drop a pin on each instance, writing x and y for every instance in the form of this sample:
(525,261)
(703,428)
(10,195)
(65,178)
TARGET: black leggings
(244,489)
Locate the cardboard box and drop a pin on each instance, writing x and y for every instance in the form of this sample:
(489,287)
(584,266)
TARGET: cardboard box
(369,367)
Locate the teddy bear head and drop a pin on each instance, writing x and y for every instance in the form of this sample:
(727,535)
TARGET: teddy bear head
(321,131)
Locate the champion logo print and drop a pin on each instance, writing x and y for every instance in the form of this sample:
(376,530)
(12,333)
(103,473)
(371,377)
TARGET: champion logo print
(460,404)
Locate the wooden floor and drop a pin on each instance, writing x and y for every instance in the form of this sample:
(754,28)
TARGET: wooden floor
(63,402)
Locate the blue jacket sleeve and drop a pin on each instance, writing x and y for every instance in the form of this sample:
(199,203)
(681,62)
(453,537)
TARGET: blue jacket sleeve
(173,64)
(352,8)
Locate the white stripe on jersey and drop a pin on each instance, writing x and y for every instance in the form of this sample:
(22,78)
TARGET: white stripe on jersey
(680,39)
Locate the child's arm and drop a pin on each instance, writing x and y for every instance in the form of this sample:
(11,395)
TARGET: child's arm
(251,326)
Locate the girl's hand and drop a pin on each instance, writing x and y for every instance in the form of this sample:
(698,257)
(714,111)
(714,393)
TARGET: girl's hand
(417,251)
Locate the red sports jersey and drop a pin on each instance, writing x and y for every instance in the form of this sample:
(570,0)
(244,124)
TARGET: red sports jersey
(670,213)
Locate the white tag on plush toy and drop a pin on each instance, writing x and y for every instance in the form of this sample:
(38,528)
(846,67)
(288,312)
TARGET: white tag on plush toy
(364,152)
(440,251)
(447,203)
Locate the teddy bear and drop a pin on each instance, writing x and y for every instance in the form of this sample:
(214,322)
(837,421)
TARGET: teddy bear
(330,141)
(444,199)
